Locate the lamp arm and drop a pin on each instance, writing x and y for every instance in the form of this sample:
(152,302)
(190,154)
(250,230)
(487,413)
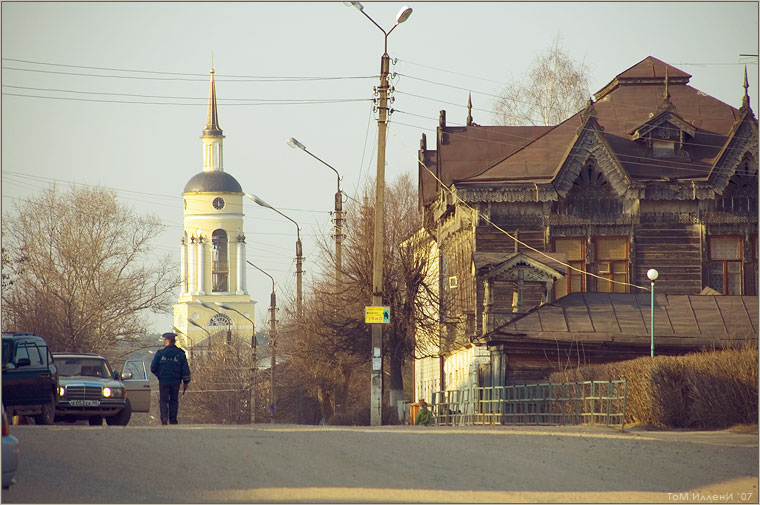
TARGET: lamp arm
(373,22)
(263,272)
(326,164)
(298,228)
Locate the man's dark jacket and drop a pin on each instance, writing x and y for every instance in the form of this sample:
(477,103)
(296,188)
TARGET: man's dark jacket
(170,366)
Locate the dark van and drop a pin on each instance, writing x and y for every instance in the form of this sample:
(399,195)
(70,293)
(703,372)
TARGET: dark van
(30,378)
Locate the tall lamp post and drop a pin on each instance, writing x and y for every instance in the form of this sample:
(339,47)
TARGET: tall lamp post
(295,144)
(376,388)
(226,306)
(212,308)
(652,275)
(180,332)
(299,255)
(272,336)
(198,325)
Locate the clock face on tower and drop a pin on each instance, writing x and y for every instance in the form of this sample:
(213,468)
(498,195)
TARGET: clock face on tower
(218,203)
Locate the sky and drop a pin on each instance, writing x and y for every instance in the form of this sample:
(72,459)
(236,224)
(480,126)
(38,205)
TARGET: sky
(115,94)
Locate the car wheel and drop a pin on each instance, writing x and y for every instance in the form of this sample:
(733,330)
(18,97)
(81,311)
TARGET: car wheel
(95,421)
(122,418)
(47,416)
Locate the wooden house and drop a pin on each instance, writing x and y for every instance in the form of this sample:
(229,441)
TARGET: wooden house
(651,174)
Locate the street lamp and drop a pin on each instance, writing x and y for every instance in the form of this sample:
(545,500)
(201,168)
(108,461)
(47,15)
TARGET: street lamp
(652,275)
(299,254)
(376,387)
(194,323)
(226,306)
(272,337)
(295,144)
(229,328)
(177,330)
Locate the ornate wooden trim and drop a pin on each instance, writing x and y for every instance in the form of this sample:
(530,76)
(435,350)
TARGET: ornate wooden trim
(744,140)
(591,143)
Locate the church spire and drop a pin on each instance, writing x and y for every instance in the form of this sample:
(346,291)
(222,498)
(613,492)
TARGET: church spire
(745,98)
(212,122)
(469,109)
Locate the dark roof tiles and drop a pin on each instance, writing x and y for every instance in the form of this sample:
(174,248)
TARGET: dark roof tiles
(213,182)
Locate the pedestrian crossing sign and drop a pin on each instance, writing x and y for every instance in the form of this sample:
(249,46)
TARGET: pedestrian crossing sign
(380,314)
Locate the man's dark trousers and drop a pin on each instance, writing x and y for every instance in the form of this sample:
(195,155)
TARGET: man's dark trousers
(168,402)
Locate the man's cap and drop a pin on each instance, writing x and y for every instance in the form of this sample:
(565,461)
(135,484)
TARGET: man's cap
(169,336)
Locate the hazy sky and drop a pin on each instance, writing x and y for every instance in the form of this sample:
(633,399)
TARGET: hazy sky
(115,94)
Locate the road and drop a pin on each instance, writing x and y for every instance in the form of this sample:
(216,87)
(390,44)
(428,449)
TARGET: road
(288,463)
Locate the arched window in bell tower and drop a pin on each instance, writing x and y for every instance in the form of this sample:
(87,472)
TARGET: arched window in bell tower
(219,262)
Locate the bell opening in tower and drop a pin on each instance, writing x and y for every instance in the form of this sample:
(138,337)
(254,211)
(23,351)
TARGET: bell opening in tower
(220,265)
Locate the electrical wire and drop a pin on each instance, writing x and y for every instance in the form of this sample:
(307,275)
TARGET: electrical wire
(501,230)
(197,77)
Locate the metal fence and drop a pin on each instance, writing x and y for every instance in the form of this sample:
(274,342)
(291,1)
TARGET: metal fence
(590,402)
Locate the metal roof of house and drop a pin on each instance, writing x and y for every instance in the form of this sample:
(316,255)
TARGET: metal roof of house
(679,320)
(488,155)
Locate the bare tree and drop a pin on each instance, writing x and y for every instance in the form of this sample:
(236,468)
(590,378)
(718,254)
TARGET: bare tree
(333,343)
(555,88)
(220,391)
(81,272)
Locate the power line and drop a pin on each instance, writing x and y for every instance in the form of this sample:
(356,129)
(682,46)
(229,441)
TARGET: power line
(193,76)
(503,231)
(199,99)
(135,102)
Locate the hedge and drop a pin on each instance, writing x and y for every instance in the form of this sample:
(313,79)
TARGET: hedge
(705,390)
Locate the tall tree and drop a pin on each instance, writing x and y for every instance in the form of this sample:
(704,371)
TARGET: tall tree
(555,88)
(81,272)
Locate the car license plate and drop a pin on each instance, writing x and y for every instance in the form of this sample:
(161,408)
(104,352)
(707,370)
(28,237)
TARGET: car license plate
(84,403)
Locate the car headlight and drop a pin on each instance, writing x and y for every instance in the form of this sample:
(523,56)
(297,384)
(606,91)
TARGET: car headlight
(61,391)
(109,392)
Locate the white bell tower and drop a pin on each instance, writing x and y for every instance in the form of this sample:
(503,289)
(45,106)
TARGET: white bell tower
(213,255)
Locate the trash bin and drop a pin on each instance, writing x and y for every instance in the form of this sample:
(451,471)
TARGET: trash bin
(413,409)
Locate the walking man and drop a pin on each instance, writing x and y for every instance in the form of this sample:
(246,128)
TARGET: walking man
(170,366)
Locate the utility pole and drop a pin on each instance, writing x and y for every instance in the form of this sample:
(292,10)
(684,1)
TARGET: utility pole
(376,377)
(299,277)
(338,239)
(272,336)
(273,343)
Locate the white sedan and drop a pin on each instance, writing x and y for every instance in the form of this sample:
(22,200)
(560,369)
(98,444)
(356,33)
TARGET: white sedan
(10,454)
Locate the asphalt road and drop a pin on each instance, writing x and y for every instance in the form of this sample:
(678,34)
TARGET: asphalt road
(287,463)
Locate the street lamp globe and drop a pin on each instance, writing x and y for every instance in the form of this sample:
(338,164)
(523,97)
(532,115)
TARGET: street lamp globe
(295,144)
(652,274)
(403,14)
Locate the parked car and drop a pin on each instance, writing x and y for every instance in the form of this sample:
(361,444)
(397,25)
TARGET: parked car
(30,377)
(11,451)
(88,388)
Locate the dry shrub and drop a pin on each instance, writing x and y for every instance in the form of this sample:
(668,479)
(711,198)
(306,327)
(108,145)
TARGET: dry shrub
(722,388)
(709,390)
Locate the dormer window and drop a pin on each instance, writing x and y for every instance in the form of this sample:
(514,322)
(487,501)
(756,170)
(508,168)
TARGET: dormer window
(664,135)
(663,148)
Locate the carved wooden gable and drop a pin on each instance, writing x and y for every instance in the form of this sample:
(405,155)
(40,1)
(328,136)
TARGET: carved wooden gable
(741,146)
(607,174)
(532,270)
